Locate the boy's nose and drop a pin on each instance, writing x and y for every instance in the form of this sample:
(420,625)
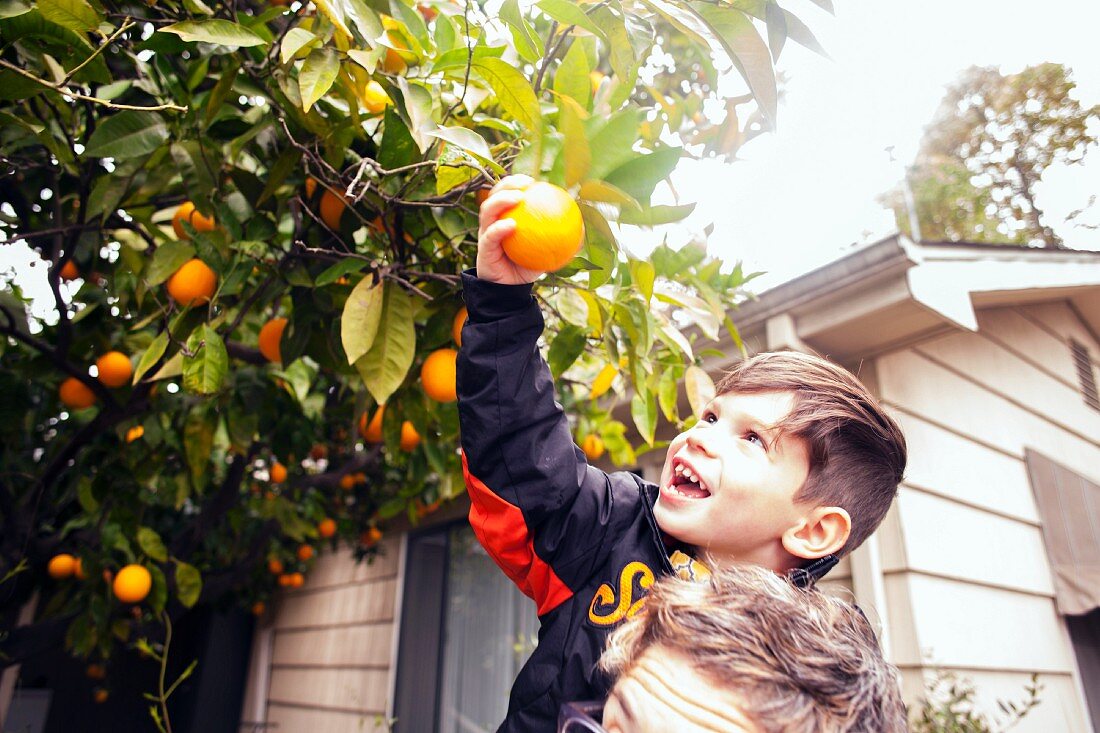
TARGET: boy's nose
(697,441)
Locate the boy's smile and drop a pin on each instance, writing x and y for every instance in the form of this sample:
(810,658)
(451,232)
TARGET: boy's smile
(728,483)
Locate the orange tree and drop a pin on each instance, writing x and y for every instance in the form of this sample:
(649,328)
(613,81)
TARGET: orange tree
(252,219)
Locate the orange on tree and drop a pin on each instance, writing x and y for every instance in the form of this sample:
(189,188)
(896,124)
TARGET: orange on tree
(69,271)
(409,437)
(270,337)
(459,322)
(285,580)
(370,536)
(96,671)
(75,394)
(297,580)
(305,553)
(61,566)
(135,433)
(374,97)
(427,12)
(372,431)
(78,569)
(187,212)
(258,608)
(193,283)
(394,61)
(100,696)
(114,368)
(326,528)
(347,482)
(549,228)
(278,472)
(437,375)
(275,566)
(593,446)
(132,584)
(330,207)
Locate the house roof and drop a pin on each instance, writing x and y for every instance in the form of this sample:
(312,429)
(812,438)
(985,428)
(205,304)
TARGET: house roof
(896,291)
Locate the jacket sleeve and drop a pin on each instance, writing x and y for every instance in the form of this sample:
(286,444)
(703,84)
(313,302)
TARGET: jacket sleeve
(543,514)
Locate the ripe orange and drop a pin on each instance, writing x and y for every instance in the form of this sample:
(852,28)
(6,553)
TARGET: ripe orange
(370,537)
(275,566)
(193,283)
(459,322)
(198,222)
(549,228)
(331,206)
(100,696)
(297,580)
(132,584)
(409,437)
(258,608)
(374,97)
(114,368)
(135,433)
(372,432)
(75,394)
(69,271)
(270,337)
(78,569)
(437,375)
(278,472)
(427,12)
(593,447)
(61,566)
(305,553)
(393,62)
(285,580)
(96,671)
(347,482)
(327,528)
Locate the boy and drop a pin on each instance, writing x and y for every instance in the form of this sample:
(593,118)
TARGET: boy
(792,465)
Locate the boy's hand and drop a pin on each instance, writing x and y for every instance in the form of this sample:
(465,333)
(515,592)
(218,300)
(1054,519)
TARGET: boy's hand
(492,263)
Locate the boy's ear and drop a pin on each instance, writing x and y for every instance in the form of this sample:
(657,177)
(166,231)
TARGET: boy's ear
(822,531)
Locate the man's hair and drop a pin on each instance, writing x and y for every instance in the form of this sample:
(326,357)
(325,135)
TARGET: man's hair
(857,451)
(796,660)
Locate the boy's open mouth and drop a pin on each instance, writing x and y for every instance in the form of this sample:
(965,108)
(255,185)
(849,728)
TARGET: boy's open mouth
(687,483)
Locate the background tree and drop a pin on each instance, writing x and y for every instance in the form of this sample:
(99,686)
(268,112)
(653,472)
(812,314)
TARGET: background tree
(253,219)
(985,152)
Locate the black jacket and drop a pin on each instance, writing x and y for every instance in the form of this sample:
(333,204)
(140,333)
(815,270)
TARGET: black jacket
(582,543)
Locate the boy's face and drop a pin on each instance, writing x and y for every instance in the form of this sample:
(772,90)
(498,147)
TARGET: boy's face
(728,486)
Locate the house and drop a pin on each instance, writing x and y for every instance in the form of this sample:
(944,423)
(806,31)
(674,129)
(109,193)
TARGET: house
(988,566)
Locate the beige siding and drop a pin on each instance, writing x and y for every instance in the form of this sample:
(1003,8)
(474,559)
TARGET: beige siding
(967,579)
(331,646)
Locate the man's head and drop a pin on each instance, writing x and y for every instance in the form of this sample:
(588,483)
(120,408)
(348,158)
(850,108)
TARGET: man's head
(792,460)
(748,652)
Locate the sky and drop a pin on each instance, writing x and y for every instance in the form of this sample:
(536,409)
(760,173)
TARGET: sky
(801,196)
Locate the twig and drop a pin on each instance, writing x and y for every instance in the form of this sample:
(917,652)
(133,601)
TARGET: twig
(66,92)
(126,25)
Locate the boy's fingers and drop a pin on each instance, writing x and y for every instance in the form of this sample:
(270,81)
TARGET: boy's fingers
(518,181)
(496,205)
(497,231)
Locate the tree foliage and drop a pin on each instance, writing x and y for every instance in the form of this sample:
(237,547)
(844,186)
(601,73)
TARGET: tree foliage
(339,148)
(985,152)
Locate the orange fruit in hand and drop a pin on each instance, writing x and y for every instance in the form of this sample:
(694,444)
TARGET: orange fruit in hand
(409,437)
(437,375)
(114,368)
(372,432)
(61,566)
(305,553)
(132,584)
(593,447)
(549,228)
(75,394)
(459,322)
(278,472)
(69,271)
(193,283)
(270,337)
(199,223)
(327,528)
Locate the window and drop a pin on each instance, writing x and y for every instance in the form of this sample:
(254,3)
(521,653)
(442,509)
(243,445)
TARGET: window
(465,632)
(1086,373)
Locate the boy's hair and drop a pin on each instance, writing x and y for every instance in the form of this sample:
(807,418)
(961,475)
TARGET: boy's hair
(796,660)
(857,451)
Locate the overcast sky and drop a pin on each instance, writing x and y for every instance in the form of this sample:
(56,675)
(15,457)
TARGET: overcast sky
(802,195)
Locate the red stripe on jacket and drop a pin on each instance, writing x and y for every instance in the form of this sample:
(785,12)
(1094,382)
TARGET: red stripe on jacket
(503,532)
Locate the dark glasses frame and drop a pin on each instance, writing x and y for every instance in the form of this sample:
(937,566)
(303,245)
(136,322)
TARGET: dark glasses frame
(581,717)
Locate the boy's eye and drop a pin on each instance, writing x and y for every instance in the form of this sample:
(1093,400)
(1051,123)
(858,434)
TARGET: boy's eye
(709,416)
(753,437)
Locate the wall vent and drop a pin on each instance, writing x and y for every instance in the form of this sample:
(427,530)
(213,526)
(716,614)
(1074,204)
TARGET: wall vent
(1086,373)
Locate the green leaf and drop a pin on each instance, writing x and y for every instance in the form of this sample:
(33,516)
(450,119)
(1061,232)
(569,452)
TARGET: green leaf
(798,32)
(572,306)
(748,52)
(572,76)
(127,134)
(700,389)
(221,32)
(106,195)
(221,92)
(565,348)
(600,246)
(458,57)
(151,544)
(569,13)
(656,215)
(526,41)
(294,41)
(777,28)
(76,15)
(667,389)
(188,583)
(318,73)
(639,176)
(204,371)
(283,166)
(85,496)
(577,154)
(198,441)
(466,139)
(512,92)
(643,274)
(361,316)
(334,272)
(168,258)
(195,164)
(615,143)
(604,192)
(12,8)
(158,596)
(643,410)
(151,356)
(398,147)
(385,366)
